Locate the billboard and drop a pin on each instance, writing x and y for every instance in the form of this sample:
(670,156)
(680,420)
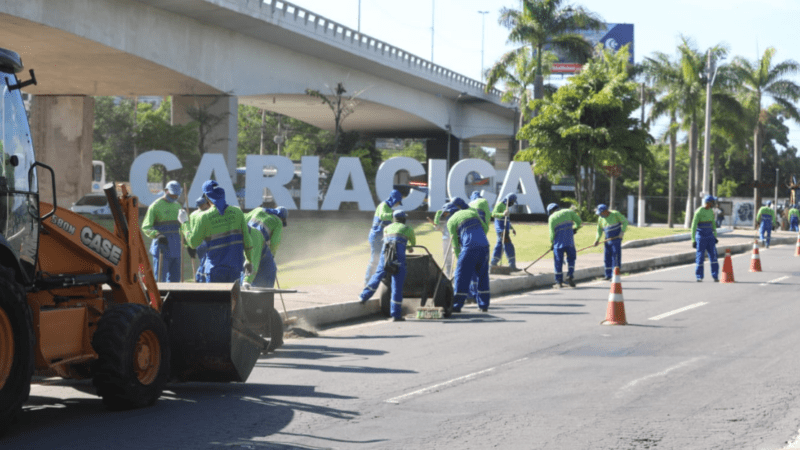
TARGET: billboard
(612,35)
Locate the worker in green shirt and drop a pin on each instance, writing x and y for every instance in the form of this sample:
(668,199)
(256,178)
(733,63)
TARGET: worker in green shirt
(161,224)
(563,223)
(472,253)
(704,238)
(766,217)
(794,216)
(382,218)
(614,225)
(503,228)
(397,237)
(268,225)
(225,230)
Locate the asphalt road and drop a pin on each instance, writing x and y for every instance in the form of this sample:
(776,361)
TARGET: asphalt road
(700,366)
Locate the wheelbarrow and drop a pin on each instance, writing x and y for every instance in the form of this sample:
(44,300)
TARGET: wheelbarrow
(422,276)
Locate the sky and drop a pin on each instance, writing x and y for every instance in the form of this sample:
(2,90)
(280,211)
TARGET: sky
(747,27)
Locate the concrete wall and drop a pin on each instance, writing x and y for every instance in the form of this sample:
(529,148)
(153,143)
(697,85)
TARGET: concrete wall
(62,129)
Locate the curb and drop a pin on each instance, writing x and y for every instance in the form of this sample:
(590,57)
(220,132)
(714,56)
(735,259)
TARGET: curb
(321,316)
(666,239)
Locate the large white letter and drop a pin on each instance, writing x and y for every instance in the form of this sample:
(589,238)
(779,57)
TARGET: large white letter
(520,174)
(256,181)
(141,165)
(384,180)
(309,183)
(348,168)
(458,176)
(213,163)
(437,183)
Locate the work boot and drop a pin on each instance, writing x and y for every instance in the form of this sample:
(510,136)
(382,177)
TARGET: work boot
(571,281)
(484,309)
(559,285)
(397,319)
(607,278)
(716,280)
(699,280)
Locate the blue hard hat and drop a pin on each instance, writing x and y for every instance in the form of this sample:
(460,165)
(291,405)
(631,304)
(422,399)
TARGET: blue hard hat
(451,207)
(395,198)
(552,207)
(209,186)
(200,201)
(475,195)
(399,216)
(510,199)
(710,199)
(283,213)
(601,207)
(459,203)
(173,188)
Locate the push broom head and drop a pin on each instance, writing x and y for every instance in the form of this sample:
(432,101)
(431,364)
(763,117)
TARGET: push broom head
(430,312)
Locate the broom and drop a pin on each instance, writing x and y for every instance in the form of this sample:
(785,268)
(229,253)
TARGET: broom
(287,320)
(433,311)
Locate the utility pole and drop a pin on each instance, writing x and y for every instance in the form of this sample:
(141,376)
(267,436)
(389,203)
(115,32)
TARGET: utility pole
(640,221)
(777,171)
(483,31)
(359,16)
(433,15)
(710,75)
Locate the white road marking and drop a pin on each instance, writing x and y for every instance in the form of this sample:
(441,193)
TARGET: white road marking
(679,310)
(776,280)
(659,374)
(446,383)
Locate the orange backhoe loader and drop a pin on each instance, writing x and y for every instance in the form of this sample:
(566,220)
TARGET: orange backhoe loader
(80,301)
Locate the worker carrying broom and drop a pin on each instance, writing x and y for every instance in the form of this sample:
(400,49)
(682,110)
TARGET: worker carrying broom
(382,218)
(563,224)
(396,237)
(502,226)
(794,216)
(266,227)
(704,238)
(614,225)
(225,230)
(472,252)
(161,224)
(766,216)
(202,204)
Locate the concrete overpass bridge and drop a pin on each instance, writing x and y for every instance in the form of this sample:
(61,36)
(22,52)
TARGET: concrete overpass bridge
(220,53)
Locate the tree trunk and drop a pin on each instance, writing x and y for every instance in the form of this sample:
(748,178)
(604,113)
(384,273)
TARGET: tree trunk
(756,172)
(672,148)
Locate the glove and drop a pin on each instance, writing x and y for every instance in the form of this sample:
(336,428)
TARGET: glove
(192,252)
(507,212)
(183,217)
(248,267)
(514,232)
(716,241)
(162,240)
(551,247)
(596,243)
(246,286)
(574,231)
(694,245)
(410,250)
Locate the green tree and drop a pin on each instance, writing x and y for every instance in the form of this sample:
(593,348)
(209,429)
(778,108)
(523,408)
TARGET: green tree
(113,136)
(759,80)
(155,132)
(588,123)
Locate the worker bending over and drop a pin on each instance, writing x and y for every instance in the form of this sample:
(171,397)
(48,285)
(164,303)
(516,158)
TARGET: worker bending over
(266,227)
(202,204)
(382,218)
(472,252)
(396,238)
(161,224)
(614,225)
(563,223)
(704,238)
(503,228)
(226,233)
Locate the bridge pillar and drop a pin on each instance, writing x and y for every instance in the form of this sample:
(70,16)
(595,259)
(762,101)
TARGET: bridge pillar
(223,116)
(436,148)
(504,155)
(61,131)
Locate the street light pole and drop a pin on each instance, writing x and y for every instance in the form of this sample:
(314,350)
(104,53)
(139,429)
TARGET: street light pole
(483,31)
(359,16)
(710,74)
(433,16)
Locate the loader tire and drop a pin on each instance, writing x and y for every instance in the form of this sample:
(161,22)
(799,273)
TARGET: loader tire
(133,356)
(274,330)
(17,342)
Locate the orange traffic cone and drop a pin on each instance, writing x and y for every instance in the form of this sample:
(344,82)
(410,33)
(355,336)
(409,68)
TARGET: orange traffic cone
(727,268)
(755,261)
(615,313)
(797,248)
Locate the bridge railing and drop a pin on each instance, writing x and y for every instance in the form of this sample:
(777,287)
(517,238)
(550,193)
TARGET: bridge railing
(359,41)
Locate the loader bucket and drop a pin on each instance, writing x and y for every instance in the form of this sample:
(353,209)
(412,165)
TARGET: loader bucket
(208,335)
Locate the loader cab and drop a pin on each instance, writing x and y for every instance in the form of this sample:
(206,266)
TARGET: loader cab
(19,191)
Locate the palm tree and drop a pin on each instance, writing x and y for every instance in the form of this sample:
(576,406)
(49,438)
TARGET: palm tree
(545,25)
(760,79)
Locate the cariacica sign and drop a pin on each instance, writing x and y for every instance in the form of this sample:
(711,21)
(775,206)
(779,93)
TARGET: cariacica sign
(518,179)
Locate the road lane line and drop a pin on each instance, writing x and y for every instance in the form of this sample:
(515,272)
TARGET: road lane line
(658,374)
(679,310)
(454,380)
(776,280)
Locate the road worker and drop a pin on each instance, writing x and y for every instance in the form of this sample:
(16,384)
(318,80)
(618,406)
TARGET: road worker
(225,231)
(382,218)
(266,229)
(704,238)
(397,237)
(614,225)
(563,223)
(766,217)
(503,228)
(161,224)
(202,204)
(472,252)
(794,216)
(480,204)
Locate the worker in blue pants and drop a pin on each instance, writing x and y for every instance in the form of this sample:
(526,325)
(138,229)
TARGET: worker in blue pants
(563,224)
(202,204)
(480,204)
(397,238)
(382,218)
(794,215)
(503,228)
(765,216)
(704,238)
(472,254)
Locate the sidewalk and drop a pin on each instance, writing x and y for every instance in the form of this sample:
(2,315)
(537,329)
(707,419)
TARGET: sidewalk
(320,305)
